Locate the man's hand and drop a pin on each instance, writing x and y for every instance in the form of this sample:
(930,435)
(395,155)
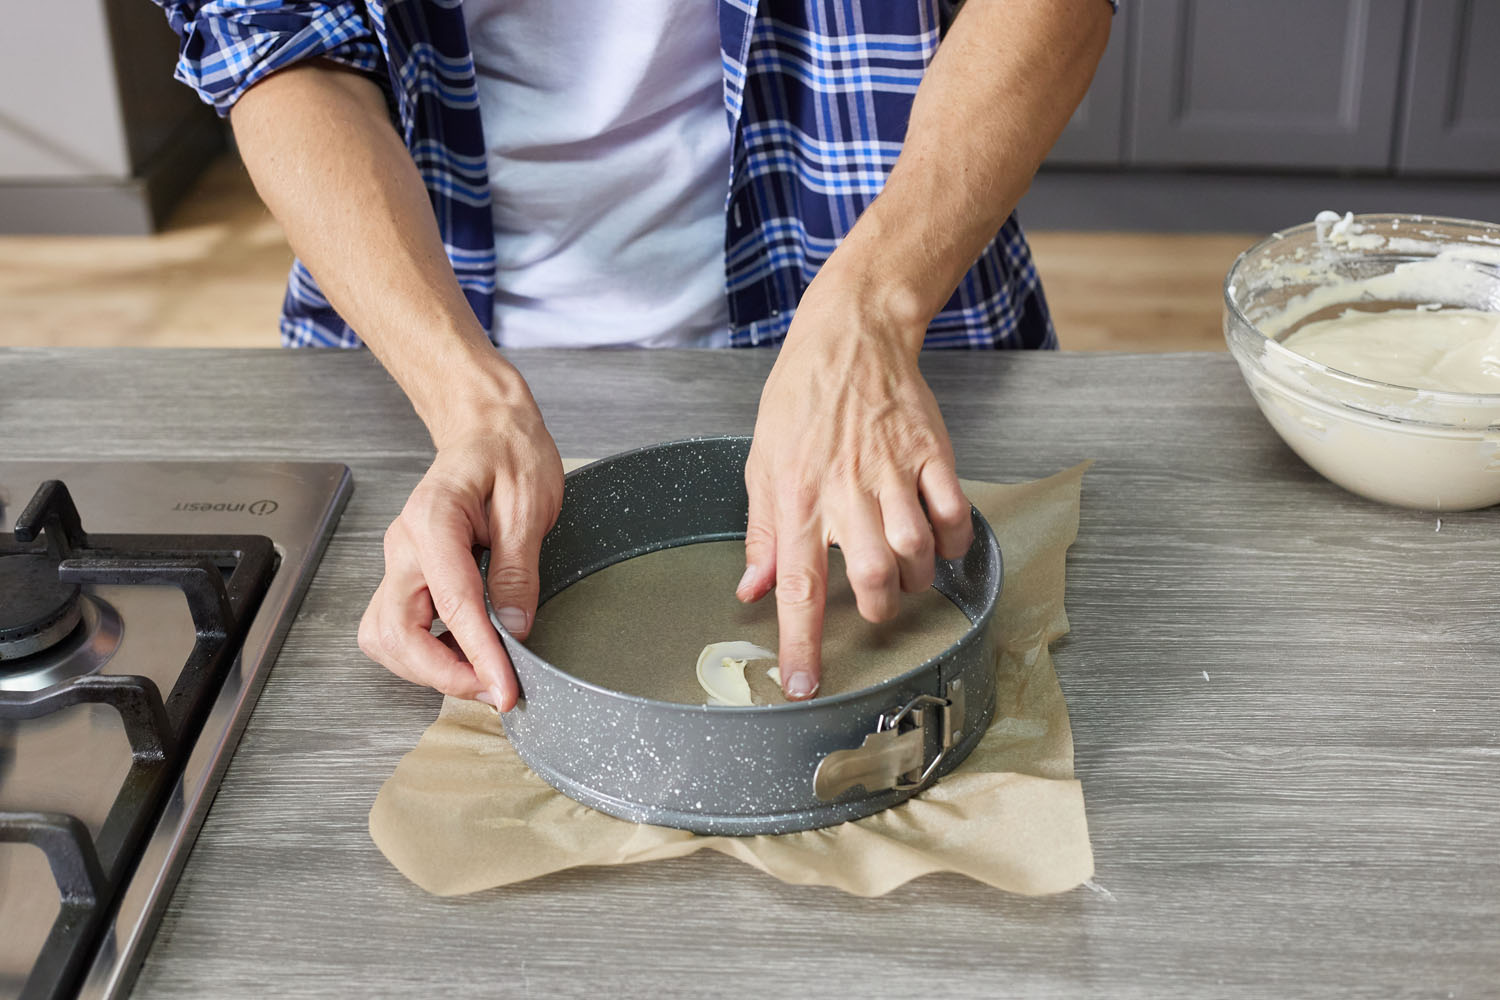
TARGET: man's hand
(849,437)
(497,481)
(848,443)
(320,145)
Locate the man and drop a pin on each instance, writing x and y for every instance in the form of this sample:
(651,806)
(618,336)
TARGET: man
(573,191)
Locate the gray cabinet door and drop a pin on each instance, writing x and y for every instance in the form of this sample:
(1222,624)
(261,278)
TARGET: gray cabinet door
(1268,83)
(1096,133)
(86,90)
(59,116)
(1452,120)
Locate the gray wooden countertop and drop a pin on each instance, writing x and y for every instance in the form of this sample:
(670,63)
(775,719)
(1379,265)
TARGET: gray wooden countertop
(1320,818)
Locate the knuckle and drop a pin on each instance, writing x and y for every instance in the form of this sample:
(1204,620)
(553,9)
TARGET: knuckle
(441,488)
(798,587)
(420,504)
(759,534)
(368,638)
(796,495)
(447,605)
(509,579)
(910,541)
(873,575)
(393,540)
(952,513)
(434,505)
(389,640)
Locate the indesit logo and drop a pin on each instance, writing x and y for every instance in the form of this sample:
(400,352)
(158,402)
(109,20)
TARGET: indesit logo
(259,508)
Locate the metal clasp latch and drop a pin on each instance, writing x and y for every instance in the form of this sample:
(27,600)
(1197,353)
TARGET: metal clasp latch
(892,756)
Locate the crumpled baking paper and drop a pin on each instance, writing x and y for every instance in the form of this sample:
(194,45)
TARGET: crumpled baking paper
(462,812)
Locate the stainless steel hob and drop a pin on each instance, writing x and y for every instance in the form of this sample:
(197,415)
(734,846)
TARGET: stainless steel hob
(141,607)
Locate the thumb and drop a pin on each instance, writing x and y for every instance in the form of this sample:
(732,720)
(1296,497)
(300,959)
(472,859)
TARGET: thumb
(513,582)
(760,546)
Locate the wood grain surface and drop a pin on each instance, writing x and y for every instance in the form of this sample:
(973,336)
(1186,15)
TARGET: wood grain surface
(1320,817)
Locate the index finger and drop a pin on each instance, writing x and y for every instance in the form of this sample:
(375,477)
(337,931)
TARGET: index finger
(801,590)
(443,552)
(394,633)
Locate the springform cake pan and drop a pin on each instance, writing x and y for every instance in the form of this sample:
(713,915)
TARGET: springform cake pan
(737,770)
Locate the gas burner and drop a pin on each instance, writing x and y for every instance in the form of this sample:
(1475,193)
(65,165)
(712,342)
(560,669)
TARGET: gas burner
(81,651)
(37,610)
(179,691)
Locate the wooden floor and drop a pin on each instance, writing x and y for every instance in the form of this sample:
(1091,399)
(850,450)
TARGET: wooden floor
(214,278)
(1137,291)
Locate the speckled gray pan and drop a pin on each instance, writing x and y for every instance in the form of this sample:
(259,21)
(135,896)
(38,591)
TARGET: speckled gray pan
(739,771)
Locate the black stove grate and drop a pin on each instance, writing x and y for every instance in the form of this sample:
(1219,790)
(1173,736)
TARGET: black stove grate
(224,578)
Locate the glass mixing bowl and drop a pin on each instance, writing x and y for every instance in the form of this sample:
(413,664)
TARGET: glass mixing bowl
(1411,447)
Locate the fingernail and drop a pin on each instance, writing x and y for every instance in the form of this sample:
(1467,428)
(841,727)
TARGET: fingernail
(801,685)
(514,619)
(749,575)
(488,699)
(493,697)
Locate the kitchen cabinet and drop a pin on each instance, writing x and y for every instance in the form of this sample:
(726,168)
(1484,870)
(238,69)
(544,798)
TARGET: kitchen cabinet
(1095,135)
(1256,116)
(1283,699)
(1451,122)
(46,130)
(95,135)
(1275,83)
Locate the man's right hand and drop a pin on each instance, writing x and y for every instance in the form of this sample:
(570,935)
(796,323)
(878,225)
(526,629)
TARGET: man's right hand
(497,481)
(320,145)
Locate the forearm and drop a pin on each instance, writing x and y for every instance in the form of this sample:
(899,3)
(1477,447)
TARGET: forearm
(998,93)
(328,163)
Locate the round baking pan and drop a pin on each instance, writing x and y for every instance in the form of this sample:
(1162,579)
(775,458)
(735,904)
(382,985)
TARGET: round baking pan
(733,770)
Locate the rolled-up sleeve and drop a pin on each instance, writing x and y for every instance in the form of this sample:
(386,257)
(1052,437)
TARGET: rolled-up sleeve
(226,46)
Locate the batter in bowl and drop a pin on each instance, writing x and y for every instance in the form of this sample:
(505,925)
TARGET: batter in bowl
(1451,350)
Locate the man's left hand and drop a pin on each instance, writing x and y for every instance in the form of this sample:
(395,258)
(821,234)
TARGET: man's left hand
(848,443)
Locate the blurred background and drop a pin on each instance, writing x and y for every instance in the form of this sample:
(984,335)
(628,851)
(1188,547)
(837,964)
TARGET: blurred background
(126,219)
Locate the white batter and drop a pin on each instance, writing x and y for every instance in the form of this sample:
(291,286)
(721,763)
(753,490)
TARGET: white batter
(1433,444)
(1451,350)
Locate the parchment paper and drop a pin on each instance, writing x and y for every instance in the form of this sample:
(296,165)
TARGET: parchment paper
(462,813)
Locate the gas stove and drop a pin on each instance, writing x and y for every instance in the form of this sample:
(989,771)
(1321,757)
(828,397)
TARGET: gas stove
(142,605)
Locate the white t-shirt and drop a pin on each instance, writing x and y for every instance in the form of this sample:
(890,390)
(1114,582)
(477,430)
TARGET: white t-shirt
(609,164)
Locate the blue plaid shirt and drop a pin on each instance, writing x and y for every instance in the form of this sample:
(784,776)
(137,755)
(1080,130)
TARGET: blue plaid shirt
(818,93)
